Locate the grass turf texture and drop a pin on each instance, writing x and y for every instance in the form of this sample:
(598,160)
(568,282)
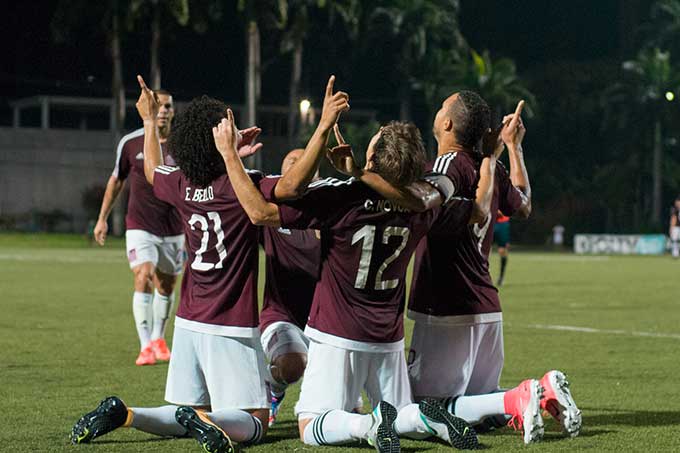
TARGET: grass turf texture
(68,340)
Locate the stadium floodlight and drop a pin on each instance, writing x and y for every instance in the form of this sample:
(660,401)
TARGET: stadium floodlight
(670,96)
(305,104)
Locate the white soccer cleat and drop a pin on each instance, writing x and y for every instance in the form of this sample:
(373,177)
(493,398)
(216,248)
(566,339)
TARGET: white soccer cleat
(557,400)
(382,435)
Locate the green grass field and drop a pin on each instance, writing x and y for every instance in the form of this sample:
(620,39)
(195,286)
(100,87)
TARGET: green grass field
(68,340)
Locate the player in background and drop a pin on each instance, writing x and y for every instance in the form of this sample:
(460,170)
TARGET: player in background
(674,229)
(153,237)
(292,263)
(215,384)
(501,236)
(356,321)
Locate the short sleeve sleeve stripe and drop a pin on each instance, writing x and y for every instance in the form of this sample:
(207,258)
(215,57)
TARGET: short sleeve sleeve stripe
(121,145)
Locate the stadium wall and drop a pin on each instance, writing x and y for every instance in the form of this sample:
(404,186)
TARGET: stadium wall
(45,172)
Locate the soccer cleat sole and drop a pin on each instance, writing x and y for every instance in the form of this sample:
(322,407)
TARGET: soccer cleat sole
(569,414)
(210,437)
(109,415)
(387,440)
(533,420)
(462,436)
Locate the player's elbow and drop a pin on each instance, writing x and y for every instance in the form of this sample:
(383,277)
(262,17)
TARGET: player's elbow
(268,216)
(525,210)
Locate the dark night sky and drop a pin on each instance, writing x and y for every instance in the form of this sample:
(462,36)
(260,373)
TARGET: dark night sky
(530,31)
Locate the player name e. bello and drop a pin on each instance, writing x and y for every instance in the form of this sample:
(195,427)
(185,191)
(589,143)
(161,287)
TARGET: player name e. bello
(200,195)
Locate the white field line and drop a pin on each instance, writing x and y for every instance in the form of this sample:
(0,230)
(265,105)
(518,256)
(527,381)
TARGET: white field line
(60,258)
(567,258)
(627,333)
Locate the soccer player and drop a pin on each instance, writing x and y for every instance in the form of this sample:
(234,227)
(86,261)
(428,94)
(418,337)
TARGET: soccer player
(674,230)
(356,321)
(292,262)
(215,380)
(153,238)
(453,302)
(501,236)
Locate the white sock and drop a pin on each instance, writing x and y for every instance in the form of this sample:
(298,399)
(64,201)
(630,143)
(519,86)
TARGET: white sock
(238,424)
(141,310)
(410,424)
(473,409)
(157,420)
(337,427)
(161,311)
(676,248)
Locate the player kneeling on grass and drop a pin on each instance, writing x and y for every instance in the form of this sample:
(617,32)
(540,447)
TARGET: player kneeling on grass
(356,321)
(292,263)
(216,375)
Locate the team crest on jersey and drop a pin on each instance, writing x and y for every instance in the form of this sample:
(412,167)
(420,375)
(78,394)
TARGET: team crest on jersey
(140,156)
(284,231)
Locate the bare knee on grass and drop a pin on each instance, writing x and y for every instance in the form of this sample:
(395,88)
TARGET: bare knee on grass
(144,275)
(289,368)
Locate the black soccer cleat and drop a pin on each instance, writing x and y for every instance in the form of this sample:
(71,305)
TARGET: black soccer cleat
(447,426)
(109,415)
(211,438)
(382,435)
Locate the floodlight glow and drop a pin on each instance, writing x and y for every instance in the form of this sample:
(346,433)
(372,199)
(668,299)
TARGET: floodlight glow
(304,106)
(670,96)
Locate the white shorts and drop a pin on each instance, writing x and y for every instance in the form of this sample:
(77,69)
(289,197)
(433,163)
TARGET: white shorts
(335,377)
(220,372)
(675,233)
(165,253)
(283,338)
(447,361)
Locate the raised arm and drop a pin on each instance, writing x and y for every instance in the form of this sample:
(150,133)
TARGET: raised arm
(294,183)
(512,137)
(147,107)
(259,210)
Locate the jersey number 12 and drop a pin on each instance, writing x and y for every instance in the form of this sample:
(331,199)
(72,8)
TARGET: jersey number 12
(366,235)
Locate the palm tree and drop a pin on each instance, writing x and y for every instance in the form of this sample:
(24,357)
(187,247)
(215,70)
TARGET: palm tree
(177,10)
(296,25)
(419,27)
(639,101)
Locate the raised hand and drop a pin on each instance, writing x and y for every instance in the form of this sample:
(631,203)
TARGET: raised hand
(247,145)
(513,128)
(225,134)
(148,104)
(333,105)
(492,143)
(341,156)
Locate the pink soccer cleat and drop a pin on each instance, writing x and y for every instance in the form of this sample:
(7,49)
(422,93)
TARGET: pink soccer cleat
(146,357)
(523,403)
(557,400)
(160,350)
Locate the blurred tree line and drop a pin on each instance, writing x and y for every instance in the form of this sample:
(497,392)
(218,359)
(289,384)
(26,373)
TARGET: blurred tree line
(601,148)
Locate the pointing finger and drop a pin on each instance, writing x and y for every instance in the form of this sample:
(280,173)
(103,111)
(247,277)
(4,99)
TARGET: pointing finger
(338,136)
(142,84)
(517,115)
(329,86)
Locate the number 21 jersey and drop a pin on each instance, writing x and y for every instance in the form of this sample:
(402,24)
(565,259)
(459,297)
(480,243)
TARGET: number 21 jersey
(219,287)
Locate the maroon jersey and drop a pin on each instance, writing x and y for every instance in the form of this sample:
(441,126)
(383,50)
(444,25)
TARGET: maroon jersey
(219,287)
(144,211)
(367,243)
(451,273)
(292,262)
